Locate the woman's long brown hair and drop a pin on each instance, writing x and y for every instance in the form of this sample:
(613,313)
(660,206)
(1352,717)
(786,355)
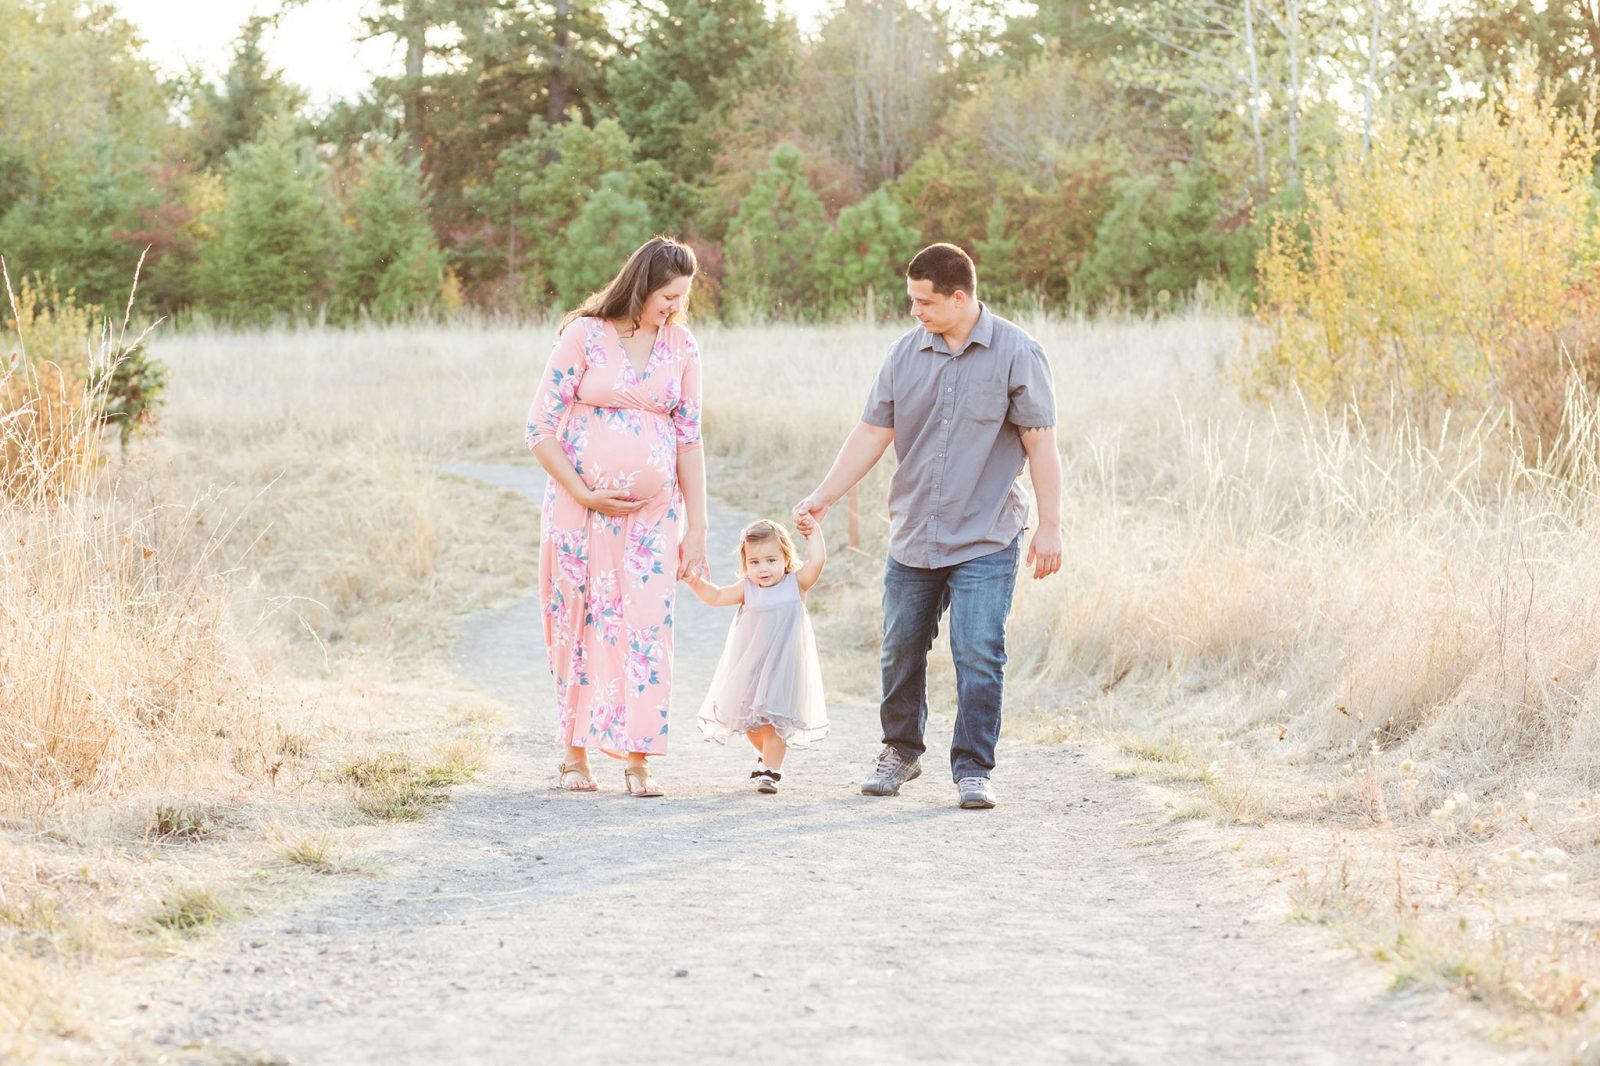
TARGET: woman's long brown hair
(655,264)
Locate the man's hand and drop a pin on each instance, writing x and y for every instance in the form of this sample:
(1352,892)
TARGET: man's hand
(861,451)
(813,506)
(1044,553)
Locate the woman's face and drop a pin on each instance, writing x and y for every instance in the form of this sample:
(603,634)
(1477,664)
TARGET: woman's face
(665,302)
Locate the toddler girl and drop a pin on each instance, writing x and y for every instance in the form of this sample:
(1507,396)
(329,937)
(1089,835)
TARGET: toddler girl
(768,683)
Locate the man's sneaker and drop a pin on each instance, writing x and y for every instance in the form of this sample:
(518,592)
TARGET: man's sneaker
(893,770)
(765,780)
(975,793)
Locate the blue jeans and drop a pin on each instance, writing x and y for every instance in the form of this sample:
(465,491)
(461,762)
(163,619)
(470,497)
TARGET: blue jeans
(978,594)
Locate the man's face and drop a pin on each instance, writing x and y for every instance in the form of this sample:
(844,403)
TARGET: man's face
(937,313)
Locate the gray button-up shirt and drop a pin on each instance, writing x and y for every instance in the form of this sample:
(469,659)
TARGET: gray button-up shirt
(955,417)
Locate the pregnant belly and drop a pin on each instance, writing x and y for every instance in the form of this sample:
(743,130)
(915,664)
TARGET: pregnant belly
(629,450)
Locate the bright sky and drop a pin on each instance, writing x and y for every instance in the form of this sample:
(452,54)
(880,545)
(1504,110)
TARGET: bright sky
(316,44)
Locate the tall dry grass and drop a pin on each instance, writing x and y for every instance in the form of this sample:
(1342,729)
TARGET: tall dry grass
(201,635)
(1343,621)
(1425,587)
(1379,638)
(116,659)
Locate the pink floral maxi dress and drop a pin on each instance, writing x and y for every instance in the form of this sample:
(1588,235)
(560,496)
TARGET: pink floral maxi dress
(607,585)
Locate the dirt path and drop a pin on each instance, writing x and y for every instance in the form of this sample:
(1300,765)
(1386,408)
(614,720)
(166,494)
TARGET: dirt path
(524,925)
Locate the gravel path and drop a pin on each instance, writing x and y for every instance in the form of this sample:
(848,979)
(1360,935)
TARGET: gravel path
(522,925)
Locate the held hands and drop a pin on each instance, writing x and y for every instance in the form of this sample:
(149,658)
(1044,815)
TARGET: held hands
(692,557)
(808,525)
(1044,553)
(813,506)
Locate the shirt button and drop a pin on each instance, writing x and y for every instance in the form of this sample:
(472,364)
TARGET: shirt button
(947,389)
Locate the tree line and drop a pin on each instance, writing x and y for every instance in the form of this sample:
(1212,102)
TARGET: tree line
(1085,151)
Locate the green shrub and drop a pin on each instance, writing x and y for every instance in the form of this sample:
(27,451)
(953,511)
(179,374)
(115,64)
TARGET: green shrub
(865,254)
(611,225)
(390,264)
(774,241)
(273,253)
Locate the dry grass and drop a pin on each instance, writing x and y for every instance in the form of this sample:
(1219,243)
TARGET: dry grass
(1278,611)
(1331,626)
(197,635)
(393,786)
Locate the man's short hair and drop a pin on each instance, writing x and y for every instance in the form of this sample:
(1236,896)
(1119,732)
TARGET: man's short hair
(948,267)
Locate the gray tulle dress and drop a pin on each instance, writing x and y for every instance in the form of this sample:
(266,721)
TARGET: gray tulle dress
(768,673)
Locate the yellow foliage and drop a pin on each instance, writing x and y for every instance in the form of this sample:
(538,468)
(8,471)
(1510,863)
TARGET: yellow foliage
(49,410)
(1418,268)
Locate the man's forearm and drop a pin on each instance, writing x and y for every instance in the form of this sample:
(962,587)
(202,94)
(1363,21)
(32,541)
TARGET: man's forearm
(861,451)
(1044,471)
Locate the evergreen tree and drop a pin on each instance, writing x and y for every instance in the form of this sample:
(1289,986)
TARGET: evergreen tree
(79,230)
(611,225)
(514,61)
(694,62)
(541,184)
(389,259)
(866,253)
(251,96)
(1000,274)
(1163,235)
(774,240)
(272,254)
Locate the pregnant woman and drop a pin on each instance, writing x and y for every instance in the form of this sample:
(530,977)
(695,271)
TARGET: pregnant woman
(616,425)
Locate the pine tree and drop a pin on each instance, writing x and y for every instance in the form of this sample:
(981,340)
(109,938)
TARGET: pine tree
(611,225)
(273,253)
(866,253)
(541,184)
(1000,278)
(693,64)
(389,258)
(251,96)
(1163,236)
(78,231)
(774,240)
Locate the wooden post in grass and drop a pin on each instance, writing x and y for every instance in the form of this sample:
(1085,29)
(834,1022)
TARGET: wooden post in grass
(855,518)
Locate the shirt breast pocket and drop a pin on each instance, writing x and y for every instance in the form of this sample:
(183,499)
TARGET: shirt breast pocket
(989,401)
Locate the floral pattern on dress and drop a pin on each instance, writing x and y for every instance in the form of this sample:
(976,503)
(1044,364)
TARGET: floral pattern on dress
(643,657)
(621,420)
(605,607)
(606,584)
(644,557)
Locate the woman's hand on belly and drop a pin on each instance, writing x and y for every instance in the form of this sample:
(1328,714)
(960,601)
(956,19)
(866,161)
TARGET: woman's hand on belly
(611,502)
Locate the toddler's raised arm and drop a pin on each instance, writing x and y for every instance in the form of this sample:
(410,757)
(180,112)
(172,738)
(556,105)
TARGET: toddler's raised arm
(816,552)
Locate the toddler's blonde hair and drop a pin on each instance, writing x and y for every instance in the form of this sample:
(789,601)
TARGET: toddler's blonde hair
(764,529)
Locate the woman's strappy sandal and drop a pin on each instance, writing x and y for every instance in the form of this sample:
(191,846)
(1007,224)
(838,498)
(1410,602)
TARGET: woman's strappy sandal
(577,778)
(640,784)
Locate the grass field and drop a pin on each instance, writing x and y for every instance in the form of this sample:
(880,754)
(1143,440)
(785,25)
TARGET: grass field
(1364,649)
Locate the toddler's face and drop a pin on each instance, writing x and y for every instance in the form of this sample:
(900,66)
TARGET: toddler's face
(763,562)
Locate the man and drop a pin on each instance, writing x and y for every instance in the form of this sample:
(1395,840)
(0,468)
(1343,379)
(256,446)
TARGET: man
(965,398)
